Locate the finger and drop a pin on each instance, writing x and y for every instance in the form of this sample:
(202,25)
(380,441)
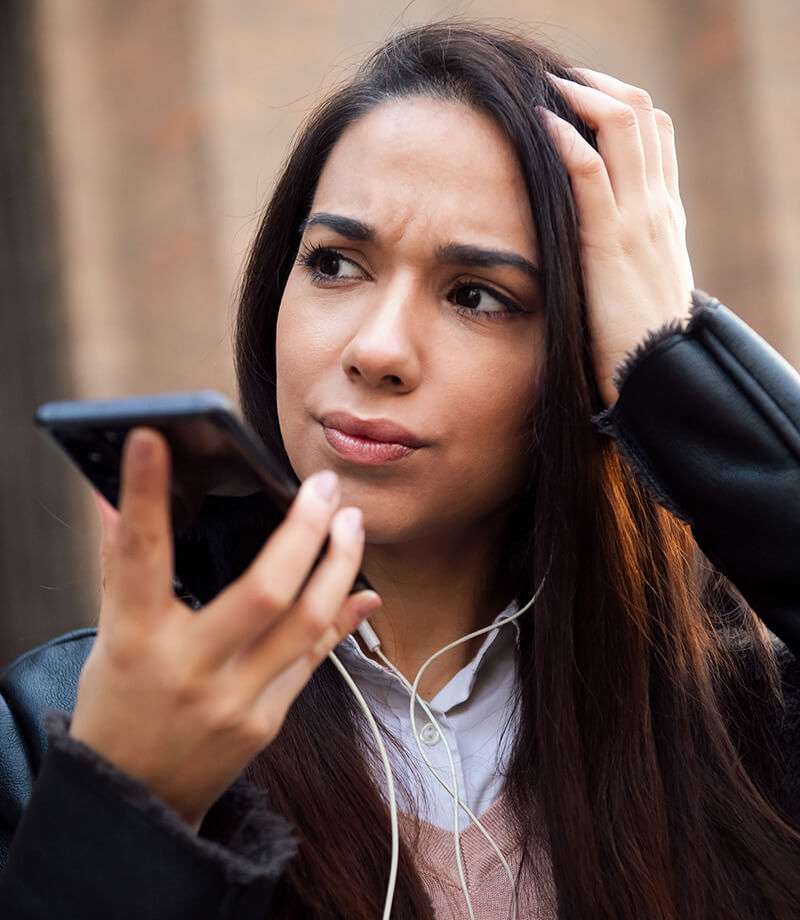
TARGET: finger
(109,518)
(107,512)
(140,575)
(618,138)
(280,693)
(642,104)
(669,153)
(591,186)
(268,588)
(316,619)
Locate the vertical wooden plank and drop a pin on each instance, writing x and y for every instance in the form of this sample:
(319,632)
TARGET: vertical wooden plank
(40,515)
(722,174)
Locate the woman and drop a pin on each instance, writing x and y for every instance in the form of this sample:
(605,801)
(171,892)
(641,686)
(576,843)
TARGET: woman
(487,247)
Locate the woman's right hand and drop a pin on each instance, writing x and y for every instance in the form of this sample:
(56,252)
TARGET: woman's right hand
(184,700)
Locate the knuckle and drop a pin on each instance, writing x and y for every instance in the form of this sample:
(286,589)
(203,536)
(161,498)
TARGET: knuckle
(137,543)
(254,733)
(270,721)
(663,120)
(225,715)
(639,98)
(313,620)
(124,649)
(328,640)
(591,166)
(624,117)
(185,686)
(264,594)
(657,222)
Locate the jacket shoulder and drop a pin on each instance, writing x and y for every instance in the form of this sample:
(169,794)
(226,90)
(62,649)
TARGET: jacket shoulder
(44,677)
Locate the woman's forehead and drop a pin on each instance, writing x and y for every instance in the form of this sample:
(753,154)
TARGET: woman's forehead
(424,165)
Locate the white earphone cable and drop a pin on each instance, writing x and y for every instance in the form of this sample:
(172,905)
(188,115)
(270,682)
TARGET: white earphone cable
(373,643)
(412,714)
(387,907)
(454,794)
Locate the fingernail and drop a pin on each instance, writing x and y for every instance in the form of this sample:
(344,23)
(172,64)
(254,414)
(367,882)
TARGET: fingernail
(352,519)
(325,484)
(141,446)
(369,604)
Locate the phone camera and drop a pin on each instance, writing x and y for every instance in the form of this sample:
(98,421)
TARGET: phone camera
(95,456)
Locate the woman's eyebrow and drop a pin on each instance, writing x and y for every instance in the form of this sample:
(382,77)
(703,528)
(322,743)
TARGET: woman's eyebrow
(464,254)
(345,226)
(457,253)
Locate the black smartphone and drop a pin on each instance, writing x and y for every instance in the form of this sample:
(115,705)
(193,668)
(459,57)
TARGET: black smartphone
(228,491)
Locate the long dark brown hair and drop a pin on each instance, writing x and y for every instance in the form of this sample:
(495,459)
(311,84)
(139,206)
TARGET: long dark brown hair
(649,693)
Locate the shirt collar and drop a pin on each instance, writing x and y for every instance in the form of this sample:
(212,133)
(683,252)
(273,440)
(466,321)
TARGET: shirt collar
(457,689)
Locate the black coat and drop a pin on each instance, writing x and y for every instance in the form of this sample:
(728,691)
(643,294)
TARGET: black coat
(709,418)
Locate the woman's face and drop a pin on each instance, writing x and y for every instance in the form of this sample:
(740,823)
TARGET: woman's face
(407,325)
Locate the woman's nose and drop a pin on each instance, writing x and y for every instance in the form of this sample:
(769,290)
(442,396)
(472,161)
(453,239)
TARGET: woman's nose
(384,349)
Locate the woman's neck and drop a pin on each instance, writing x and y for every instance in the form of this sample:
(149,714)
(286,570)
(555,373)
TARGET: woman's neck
(432,597)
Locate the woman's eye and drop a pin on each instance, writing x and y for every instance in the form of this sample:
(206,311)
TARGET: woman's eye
(475,299)
(329,264)
(326,264)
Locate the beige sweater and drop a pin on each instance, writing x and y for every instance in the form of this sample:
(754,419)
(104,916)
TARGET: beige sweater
(487,881)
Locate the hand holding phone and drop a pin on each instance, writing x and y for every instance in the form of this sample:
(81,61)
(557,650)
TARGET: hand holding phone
(228,491)
(183,701)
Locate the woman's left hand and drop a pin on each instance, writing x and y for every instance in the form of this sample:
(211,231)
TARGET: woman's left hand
(632,225)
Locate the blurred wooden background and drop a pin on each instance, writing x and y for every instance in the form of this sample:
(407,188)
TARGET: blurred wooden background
(140,139)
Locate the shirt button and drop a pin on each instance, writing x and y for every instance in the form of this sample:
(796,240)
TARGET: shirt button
(429,733)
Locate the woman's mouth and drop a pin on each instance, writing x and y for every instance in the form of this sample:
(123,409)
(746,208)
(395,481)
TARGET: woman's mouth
(364,450)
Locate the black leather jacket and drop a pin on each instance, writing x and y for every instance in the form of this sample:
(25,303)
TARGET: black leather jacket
(709,418)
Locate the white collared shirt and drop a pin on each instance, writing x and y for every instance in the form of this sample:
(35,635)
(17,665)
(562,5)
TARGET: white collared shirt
(472,710)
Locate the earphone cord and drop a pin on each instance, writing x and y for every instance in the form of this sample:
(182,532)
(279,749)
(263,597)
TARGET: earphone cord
(373,643)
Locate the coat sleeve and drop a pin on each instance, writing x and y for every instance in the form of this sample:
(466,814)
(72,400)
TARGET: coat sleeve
(93,842)
(708,417)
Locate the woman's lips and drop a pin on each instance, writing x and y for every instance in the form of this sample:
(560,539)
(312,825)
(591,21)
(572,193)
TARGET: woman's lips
(364,450)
